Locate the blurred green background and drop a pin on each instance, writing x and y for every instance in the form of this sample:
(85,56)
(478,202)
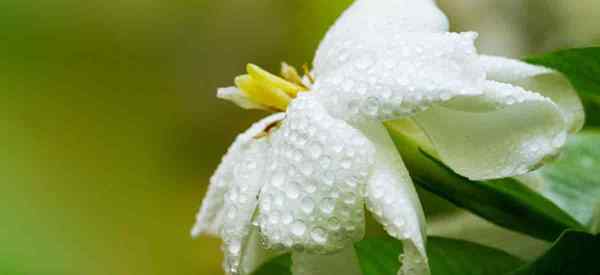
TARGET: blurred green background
(110,126)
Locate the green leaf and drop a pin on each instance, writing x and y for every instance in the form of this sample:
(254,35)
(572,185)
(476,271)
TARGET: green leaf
(573,182)
(379,256)
(582,67)
(446,257)
(506,202)
(574,253)
(280,265)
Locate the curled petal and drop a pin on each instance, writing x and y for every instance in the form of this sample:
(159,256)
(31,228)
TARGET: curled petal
(210,216)
(312,200)
(539,79)
(505,132)
(344,262)
(392,198)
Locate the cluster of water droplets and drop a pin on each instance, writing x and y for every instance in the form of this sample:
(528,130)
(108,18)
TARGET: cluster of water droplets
(510,70)
(209,218)
(534,144)
(241,201)
(397,76)
(229,204)
(313,197)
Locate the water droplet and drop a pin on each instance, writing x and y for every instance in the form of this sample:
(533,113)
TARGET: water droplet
(398,222)
(287,218)
(327,205)
(298,228)
(234,247)
(293,190)
(315,150)
(333,223)
(306,168)
(371,106)
(274,217)
(318,235)
(325,161)
(307,205)
(328,177)
(232,212)
(310,187)
(278,179)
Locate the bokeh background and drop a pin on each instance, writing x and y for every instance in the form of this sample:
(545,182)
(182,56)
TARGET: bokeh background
(110,128)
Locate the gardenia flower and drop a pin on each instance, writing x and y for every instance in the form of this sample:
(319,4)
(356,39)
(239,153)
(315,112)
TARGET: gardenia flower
(299,179)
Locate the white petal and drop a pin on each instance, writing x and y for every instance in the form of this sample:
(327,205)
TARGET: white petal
(236,96)
(392,198)
(539,79)
(506,132)
(241,200)
(313,198)
(342,262)
(254,254)
(209,218)
(400,74)
(374,22)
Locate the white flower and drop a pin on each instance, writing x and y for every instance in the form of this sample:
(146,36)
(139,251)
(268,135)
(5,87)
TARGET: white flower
(298,180)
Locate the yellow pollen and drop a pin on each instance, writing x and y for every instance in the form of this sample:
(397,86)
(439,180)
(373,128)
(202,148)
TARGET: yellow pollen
(269,90)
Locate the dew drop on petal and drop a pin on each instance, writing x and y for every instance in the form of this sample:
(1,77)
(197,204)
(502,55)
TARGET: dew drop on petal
(333,223)
(278,179)
(308,205)
(315,150)
(327,205)
(310,187)
(325,161)
(287,218)
(292,190)
(318,235)
(298,228)
(234,247)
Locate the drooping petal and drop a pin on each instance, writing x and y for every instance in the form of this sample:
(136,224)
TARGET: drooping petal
(209,218)
(539,79)
(343,262)
(507,131)
(241,200)
(392,198)
(254,255)
(313,198)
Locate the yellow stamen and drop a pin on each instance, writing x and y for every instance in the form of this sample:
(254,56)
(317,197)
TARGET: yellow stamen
(271,80)
(267,91)
(307,73)
(291,74)
(260,92)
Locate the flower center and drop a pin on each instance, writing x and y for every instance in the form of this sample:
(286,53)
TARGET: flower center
(274,92)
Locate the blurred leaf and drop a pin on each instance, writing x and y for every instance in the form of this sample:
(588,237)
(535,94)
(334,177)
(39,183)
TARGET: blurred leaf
(574,253)
(446,257)
(379,256)
(572,182)
(582,67)
(506,202)
(277,266)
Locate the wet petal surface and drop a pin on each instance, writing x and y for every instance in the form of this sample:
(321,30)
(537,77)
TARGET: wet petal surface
(312,200)
(507,131)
